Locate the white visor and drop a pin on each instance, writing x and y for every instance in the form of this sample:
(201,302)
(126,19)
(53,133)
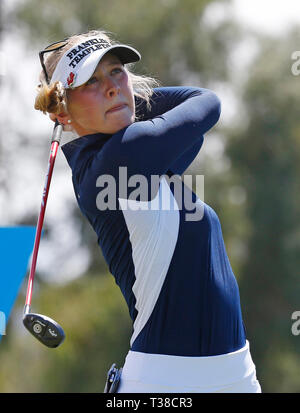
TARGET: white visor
(78,63)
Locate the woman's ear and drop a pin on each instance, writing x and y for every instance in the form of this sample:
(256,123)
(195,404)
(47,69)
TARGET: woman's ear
(64,119)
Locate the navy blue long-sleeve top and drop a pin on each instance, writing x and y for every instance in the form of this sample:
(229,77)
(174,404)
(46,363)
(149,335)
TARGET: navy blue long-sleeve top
(168,259)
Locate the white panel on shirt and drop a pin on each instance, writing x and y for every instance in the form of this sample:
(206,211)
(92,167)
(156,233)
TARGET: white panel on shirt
(153,234)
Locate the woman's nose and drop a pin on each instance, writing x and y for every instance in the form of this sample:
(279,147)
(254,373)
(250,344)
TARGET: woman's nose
(112,88)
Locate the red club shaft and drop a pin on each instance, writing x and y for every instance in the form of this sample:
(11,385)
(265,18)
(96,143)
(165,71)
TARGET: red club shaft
(52,157)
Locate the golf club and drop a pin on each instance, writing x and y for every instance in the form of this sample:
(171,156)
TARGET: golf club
(43,328)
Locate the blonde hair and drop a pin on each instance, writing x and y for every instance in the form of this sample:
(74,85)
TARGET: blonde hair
(53,98)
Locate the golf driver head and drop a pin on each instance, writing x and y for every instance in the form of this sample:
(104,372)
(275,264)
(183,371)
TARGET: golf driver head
(43,328)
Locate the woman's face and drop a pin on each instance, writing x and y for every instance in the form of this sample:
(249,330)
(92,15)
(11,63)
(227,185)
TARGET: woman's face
(105,103)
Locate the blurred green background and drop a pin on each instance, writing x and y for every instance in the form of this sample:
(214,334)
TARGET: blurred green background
(251,164)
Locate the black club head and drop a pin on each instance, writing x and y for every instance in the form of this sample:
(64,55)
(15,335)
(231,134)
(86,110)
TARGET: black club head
(43,328)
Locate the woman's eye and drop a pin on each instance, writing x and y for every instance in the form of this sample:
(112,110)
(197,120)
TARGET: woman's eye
(91,81)
(117,70)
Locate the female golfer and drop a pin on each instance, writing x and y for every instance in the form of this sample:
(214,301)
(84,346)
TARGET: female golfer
(162,244)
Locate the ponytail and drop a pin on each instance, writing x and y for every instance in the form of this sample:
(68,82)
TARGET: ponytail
(51,98)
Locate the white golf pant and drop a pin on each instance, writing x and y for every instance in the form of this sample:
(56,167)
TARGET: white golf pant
(157,373)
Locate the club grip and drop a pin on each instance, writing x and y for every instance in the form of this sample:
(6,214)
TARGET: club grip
(57,131)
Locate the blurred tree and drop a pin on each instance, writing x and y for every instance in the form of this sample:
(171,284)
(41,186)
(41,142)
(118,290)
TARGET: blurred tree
(265,154)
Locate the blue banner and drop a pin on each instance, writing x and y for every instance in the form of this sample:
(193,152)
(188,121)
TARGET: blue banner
(16,246)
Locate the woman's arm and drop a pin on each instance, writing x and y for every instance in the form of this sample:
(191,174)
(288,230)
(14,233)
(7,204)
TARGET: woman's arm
(154,145)
(163,100)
